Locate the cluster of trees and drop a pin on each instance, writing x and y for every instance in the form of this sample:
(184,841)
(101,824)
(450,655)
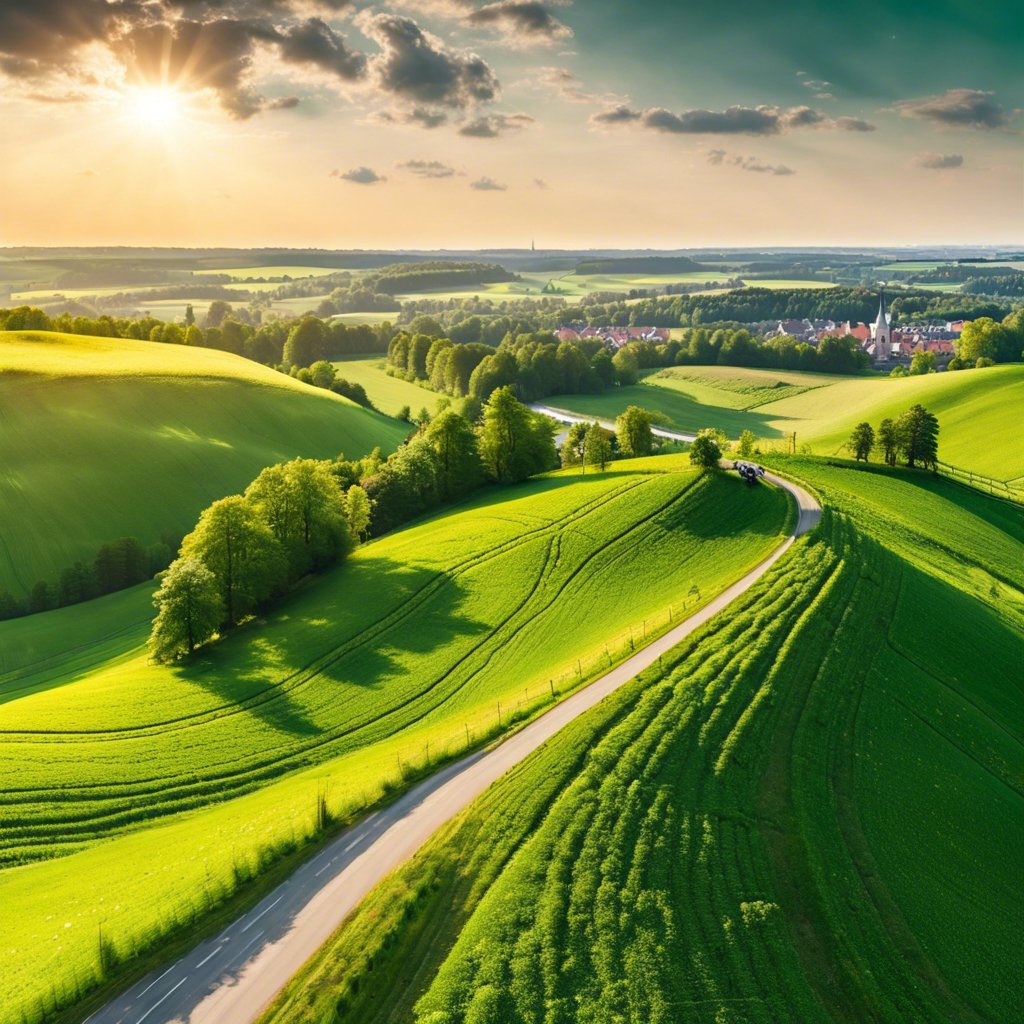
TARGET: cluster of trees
(121,563)
(913,437)
(302,516)
(323,374)
(986,341)
(294,518)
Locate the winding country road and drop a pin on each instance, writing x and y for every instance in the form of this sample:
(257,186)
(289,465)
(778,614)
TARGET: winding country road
(565,417)
(231,979)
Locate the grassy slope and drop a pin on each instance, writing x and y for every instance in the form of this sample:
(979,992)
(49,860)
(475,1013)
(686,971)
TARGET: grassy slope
(387,393)
(813,815)
(392,659)
(977,410)
(103,438)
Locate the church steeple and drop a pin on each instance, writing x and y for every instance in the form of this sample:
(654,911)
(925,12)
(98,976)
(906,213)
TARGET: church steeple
(883,318)
(881,333)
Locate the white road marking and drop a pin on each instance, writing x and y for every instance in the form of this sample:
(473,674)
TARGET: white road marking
(161,999)
(262,912)
(210,957)
(152,983)
(324,868)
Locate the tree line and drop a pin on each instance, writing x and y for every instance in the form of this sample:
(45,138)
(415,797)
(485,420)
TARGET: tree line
(303,516)
(912,437)
(117,565)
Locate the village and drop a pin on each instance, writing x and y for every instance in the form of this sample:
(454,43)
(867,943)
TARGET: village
(885,344)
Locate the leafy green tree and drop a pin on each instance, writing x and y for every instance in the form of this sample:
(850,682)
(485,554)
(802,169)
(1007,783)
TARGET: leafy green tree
(459,469)
(573,448)
(189,610)
(597,449)
(218,312)
(919,436)
(889,441)
(306,343)
(40,598)
(515,443)
(234,542)
(77,583)
(748,442)
(190,316)
(627,365)
(922,363)
(862,440)
(323,373)
(633,430)
(119,564)
(405,414)
(704,450)
(357,512)
(984,338)
(193,336)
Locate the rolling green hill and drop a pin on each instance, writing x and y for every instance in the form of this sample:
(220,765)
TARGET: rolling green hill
(429,639)
(105,438)
(812,813)
(977,410)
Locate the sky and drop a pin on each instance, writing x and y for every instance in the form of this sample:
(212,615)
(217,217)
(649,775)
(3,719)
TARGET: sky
(495,123)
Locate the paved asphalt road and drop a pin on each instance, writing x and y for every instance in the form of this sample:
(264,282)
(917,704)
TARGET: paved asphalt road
(232,978)
(571,417)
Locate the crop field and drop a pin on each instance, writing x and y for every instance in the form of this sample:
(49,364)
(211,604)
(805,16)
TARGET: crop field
(977,410)
(424,642)
(812,811)
(389,394)
(105,438)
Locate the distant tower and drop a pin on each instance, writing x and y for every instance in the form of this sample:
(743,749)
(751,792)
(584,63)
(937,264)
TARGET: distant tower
(533,245)
(881,334)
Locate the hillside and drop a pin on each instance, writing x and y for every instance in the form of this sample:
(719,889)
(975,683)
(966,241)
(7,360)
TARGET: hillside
(434,637)
(105,438)
(977,410)
(811,812)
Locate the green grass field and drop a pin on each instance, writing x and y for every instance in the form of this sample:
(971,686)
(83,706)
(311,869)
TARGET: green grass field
(397,659)
(389,394)
(105,438)
(977,410)
(812,813)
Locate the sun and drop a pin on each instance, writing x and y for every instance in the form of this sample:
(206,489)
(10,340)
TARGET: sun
(154,107)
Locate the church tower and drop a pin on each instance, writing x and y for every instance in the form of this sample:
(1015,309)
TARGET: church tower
(881,334)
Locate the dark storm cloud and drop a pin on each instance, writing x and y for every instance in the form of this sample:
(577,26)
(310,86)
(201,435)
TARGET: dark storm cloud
(957,108)
(428,168)
(417,67)
(490,126)
(938,161)
(760,120)
(521,21)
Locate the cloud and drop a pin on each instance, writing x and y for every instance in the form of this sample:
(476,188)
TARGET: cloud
(720,157)
(520,22)
(539,183)
(314,43)
(760,120)
(486,184)
(853,124)
(428,168)
(418,68)
(563,82)
(938,161)
(957,108)
(490,126)
(284,103)
(359,176)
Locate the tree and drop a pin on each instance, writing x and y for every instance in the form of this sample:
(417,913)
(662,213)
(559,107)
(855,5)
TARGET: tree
(405,414)
(862,440)
(459,469)
(747,444)
(574,446)
(306,343)
(193,336)
(922,363)
(218,312)
(190,316)
(357,511)
(633,430)
(323,373)
(888,440)
(597,449)
(984,338)
(919,436)
(234,542)
(704,451)
(627,365)
(40,598)
(189,610)
(515,443)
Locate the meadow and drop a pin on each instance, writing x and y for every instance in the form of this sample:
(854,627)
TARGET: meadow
(424,643)
(810,811)
(977,410)
(389,394)
(104,438)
